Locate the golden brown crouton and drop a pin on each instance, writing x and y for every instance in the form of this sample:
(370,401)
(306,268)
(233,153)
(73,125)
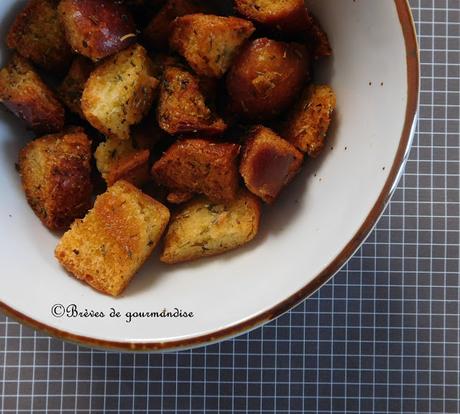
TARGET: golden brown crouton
(119,92)
(266,77)
(24,93)
(116,237)
(37,34)
(182,107)
(158,30)
(308,122)
(209,43)
(200,166)
(203,228)
(268,163)
(119,160)
(97,28)
(55,172)
(71,88)
(285,15)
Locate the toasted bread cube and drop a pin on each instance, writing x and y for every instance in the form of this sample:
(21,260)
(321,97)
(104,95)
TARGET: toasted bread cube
(97,28)
(286,15)
(55,172)
(179,197)
(116,237)
(200,166)
(266,76)
(119,92)
(268,163)
(71,88)
(209,43)
(182,105)
(24,93)
(119,160)
(321,46)
(308,122)
(203,228)
(38,35)
(159,29)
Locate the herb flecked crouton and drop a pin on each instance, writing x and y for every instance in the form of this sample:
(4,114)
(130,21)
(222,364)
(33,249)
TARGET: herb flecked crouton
(182,105)
(200,166)
(55,172)
(158,30)
(203,228)
(268,163)
(308,122)
(71,88)
(119,92)
(116,237)
(209,43)
(37,34)
(97,28)
(119,160)
(24,93)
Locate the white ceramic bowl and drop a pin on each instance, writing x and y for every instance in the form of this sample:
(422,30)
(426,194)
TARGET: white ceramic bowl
(305,237)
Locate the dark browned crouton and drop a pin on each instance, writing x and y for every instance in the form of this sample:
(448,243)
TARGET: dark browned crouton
(158,30)
(71,88)
(179,197)
(97,28)
(285,15)
(182,107)
(24,93)
(37,34)
(268,163)
(318,37)
(209,43)
(308,122)
(113,241)
(55,172)
(266,77)
(200,166)
(119,92)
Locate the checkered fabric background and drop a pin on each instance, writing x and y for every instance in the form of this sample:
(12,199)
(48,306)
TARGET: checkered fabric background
(381,337)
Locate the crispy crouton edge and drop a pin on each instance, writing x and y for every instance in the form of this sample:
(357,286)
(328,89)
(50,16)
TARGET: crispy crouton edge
(413,79)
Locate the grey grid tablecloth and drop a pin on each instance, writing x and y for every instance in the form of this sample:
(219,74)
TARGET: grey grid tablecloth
(382,336)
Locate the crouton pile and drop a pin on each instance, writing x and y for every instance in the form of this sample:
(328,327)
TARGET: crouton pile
(161,122)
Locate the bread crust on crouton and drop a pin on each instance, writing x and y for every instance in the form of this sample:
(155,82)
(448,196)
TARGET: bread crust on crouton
(158,30)
(307,123)
(97,28)
(119,92)
(55,173)
(37,34)
(200,166)
(119,160)
(24,93)
(71,88)
(268,163)
(209,43)
(203,228)
(288,16)
(266,77)
(116,237)
(182,107)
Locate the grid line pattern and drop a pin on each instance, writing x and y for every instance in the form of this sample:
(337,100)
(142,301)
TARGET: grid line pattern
(381,337)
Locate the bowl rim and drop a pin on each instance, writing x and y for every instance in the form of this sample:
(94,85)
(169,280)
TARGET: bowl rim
(413,81)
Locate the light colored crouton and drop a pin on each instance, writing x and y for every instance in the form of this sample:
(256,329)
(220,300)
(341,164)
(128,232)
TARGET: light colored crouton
(200,166)
(209,43)
(24,93)
(37,34)
(308,122)
(119,92)
(268,163)
(116,237)
(55,172)
(203,229)
(182,106)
